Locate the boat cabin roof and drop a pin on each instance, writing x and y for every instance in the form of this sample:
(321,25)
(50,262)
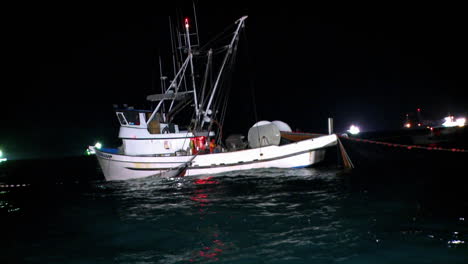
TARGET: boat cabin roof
(169,96)
(132,110)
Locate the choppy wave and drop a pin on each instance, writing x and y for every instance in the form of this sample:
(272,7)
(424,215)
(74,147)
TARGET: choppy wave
(317,215)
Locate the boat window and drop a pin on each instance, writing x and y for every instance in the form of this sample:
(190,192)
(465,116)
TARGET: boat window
(121,119)
(132,118)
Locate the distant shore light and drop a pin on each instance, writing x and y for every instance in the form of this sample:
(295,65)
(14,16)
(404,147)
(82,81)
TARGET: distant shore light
(451,122)
(354,130)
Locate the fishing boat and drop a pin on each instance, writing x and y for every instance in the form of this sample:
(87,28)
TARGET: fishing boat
(153,143)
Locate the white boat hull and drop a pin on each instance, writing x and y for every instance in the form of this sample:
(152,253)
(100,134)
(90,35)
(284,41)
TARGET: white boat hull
(294,155)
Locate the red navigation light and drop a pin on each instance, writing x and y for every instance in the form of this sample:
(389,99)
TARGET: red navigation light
(186,22)
(419,109)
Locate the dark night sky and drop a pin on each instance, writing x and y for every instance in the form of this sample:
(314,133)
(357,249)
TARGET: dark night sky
(366,64)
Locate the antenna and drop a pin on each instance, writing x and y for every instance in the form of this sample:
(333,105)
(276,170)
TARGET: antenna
(196,22)
(174,54)
(163,86)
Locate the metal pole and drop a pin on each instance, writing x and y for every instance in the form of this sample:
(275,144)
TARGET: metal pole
(228,53)
(330,126)
(191,66)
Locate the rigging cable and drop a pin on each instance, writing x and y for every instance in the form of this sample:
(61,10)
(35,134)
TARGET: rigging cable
(252,89)
(218,37)
(250,78)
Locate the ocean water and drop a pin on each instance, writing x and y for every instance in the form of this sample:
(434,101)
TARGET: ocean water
(315,215)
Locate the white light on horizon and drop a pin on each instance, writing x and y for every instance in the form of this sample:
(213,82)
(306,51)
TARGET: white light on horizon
(460,121)
(451,122)
(354,130)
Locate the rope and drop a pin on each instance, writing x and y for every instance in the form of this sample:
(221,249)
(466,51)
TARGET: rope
(218,37)
(410,147)
(344,156)
(221,101)
(252,87)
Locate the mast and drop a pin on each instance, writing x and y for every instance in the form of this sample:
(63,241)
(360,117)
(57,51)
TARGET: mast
(172,92)
(240,23)
(191,65)
(180,45)
(205,79)
(175,85)
(163,86)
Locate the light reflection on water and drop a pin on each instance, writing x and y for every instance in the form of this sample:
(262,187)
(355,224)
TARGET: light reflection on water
(270,216)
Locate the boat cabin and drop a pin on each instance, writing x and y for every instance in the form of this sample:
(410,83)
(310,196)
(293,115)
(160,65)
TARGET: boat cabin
(140,137)
(137,119)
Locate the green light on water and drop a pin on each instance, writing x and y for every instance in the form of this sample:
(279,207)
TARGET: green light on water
(1,157)
(89,151)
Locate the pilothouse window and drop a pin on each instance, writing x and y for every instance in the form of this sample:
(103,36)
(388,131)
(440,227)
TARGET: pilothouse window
(121,119)
(132,118)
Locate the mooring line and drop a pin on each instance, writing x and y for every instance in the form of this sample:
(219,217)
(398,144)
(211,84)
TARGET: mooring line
(410,147)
